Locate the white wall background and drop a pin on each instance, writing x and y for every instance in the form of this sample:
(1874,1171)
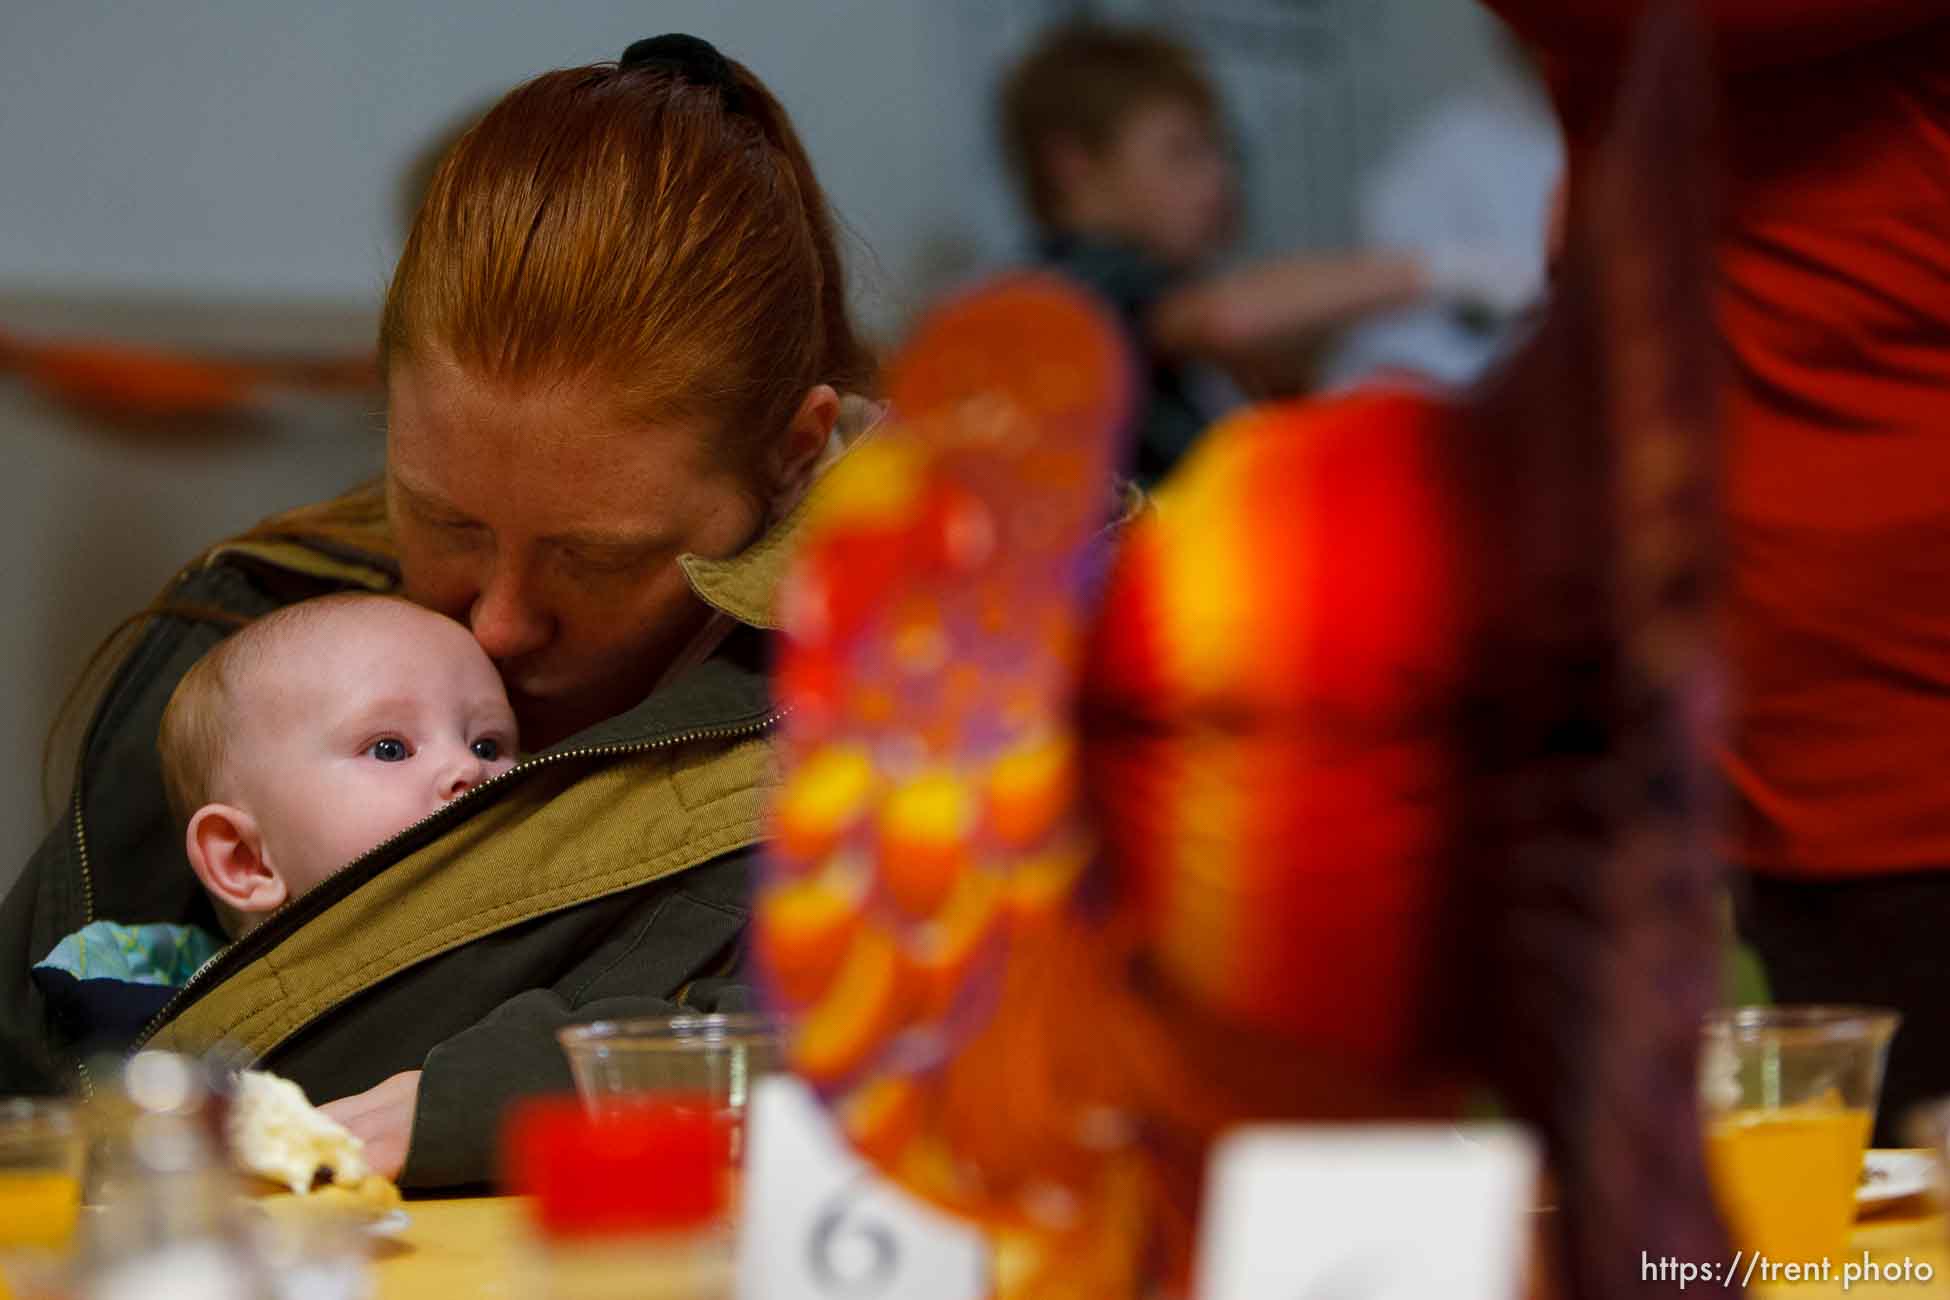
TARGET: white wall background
(235,165)
(253,146)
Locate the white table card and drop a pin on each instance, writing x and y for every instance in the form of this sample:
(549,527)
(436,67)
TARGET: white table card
(819,1224)
(1368,1212)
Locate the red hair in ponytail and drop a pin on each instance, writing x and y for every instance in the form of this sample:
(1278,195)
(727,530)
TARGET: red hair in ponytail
(623,225)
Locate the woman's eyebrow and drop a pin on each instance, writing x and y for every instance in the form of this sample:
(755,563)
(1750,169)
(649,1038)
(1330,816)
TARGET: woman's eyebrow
(622,539)
(425,499)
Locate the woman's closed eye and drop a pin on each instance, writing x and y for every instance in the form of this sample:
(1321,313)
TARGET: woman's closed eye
(600,561)
(593,558)
(389,749)
(450,530)
(456,534)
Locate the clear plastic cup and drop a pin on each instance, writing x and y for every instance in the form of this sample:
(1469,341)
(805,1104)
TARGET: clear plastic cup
(1927,1128)
(707,1060)
(1788,1099)
(41,1155)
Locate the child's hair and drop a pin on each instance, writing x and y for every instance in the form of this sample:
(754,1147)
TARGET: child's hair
(1082,82)
(197,722)
(653,229)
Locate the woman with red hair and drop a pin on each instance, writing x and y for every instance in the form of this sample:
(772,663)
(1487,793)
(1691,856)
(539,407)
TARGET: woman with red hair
(616,351)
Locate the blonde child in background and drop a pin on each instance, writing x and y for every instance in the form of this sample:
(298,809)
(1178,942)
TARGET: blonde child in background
(1116,139)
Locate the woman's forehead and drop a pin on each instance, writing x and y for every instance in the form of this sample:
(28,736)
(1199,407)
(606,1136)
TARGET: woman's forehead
(564,454)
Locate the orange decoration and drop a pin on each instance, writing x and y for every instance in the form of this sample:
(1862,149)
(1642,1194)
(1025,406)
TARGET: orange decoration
(802,933)
(926,829)
(859,1010)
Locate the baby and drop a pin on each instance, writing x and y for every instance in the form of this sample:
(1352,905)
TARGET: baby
(318,732)
(291,748)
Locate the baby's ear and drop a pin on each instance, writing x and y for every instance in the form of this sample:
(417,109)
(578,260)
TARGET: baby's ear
(226,852)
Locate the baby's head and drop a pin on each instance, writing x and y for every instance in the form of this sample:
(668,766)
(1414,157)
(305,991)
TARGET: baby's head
(1115,132)
(319,731)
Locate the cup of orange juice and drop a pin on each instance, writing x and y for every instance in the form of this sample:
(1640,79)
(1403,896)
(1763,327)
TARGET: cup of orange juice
(41,1152)
(1788,1098)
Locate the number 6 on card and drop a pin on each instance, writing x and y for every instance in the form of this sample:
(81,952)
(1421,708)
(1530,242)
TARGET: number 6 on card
(818,1224)
(1362,1212)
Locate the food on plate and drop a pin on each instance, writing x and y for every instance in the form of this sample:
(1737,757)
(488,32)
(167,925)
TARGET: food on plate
(277,1136)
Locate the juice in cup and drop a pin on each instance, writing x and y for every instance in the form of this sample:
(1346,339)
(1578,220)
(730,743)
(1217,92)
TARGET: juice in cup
(40,1174)
(38,1209)
(1786,1177)
(693,1060)
(1787,1100)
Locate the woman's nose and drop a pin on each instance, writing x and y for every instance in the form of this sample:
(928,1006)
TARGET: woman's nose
(506,619)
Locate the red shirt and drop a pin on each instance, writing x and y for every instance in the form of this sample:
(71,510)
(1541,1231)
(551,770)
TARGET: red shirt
(1833,293)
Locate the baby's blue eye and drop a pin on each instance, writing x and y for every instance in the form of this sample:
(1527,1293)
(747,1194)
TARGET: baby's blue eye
(389,750)
(487,750)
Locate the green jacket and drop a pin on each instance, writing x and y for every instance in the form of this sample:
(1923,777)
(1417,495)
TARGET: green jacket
(607,876)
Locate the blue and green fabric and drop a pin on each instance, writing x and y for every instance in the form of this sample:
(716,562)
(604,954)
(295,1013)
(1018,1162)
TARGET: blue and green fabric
(106,981)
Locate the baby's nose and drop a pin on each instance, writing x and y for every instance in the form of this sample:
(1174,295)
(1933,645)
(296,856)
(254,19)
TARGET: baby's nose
(464,777)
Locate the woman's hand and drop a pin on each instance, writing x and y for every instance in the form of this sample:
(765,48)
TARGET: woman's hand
(382,1118)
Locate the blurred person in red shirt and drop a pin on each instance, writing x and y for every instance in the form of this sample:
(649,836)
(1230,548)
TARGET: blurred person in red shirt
(1833,297)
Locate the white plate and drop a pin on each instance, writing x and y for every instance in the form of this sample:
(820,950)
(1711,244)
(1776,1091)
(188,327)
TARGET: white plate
(390,1225)
(1892,1175)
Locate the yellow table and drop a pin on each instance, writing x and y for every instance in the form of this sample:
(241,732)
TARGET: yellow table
(1909,1233)
(449,1250)
(455,1249)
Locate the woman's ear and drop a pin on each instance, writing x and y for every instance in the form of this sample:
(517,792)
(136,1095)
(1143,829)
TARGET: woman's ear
(226,852)
(805,439)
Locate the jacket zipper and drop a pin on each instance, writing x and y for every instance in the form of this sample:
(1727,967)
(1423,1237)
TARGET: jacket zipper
(87,911)
(228,958)
(81,855)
